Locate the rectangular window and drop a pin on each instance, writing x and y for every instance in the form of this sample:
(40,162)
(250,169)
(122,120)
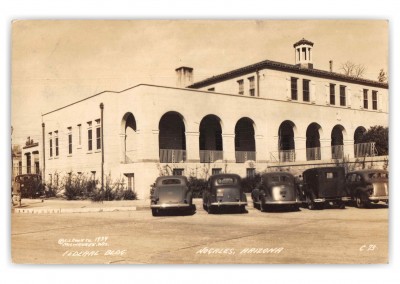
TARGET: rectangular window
(177,172)
(374,100)
(90,136)
(241,87)
(28,163)
(98,134)
(306,90)
(79,134)
(293,84)
(50,145)
(20,168)
(131,183)
(70,140)
(56,142)
(365,95)
(252,90)
(250,172)
(37,170)
(216,171)
(342,95)
(332,94)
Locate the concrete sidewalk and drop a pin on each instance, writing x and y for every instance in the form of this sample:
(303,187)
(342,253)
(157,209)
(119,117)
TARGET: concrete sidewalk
(50,206)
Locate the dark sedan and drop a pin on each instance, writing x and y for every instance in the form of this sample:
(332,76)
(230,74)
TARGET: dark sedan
(224,191)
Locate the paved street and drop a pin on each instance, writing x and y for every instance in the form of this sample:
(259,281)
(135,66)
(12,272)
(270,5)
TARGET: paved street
(323,236)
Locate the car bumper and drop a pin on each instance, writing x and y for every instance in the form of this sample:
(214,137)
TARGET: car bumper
(160,206)
(283,202)
(331,199)
(229,203)
(384,198)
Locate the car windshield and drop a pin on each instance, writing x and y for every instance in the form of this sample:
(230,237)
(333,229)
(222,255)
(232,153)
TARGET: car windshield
(377,175)
(280,178)
(226,181)
(171,181)
(26,178)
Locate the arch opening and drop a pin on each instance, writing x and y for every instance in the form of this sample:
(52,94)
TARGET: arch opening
(245,145)
(210,140)
(129,138)
(172,139)
(313,144)
(337,142)
(286,143)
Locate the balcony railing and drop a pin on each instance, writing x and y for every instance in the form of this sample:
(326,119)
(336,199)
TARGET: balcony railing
(243,156)
(337,152)
(172,156)
(364,149)
(313,154)
(287,155)
(209,156)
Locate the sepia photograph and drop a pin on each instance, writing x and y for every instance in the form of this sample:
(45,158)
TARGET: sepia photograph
(200,141)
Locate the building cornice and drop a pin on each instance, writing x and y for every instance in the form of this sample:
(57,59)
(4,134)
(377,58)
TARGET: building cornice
(268,64)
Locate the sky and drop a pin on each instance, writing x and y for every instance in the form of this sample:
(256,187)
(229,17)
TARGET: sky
(54,63)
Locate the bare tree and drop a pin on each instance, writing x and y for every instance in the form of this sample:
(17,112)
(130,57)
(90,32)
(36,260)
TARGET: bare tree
(382,77)
(354,70)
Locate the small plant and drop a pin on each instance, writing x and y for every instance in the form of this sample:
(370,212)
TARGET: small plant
(197,185)
(249,183)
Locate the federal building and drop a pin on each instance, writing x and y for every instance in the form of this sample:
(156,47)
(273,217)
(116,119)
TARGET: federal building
(244,121)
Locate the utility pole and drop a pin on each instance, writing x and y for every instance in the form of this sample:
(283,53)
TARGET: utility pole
(102,148)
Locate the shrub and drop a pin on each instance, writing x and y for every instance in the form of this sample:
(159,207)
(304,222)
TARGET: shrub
(113,191)
(197,185)
(249,183)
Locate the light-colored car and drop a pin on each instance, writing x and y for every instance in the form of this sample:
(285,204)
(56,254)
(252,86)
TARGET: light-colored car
(276,189)
(366,186)
(171,193)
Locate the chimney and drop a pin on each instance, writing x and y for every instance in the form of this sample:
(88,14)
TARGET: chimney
(331,65)
(184,76)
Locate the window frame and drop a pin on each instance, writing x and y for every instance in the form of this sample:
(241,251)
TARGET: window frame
(294,88)
(306,91)
(332,94)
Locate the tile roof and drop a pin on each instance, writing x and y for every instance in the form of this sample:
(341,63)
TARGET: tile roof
(268,64)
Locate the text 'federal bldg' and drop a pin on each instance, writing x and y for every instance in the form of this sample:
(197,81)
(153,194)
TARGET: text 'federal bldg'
(241,121)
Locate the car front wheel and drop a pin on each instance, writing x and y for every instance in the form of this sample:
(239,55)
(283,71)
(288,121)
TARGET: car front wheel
(361,200)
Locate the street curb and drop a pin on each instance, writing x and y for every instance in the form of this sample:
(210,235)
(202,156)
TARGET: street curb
(76,210)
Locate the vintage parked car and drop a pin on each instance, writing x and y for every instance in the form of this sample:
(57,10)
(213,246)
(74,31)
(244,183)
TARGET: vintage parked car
(276,189)
(324,185)
(224,191)
(171,192)
(366,186)
(27,186)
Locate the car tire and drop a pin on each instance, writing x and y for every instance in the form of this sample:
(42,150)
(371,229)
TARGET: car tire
(361,200)
(310,204)
(262,205)
(154,212)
